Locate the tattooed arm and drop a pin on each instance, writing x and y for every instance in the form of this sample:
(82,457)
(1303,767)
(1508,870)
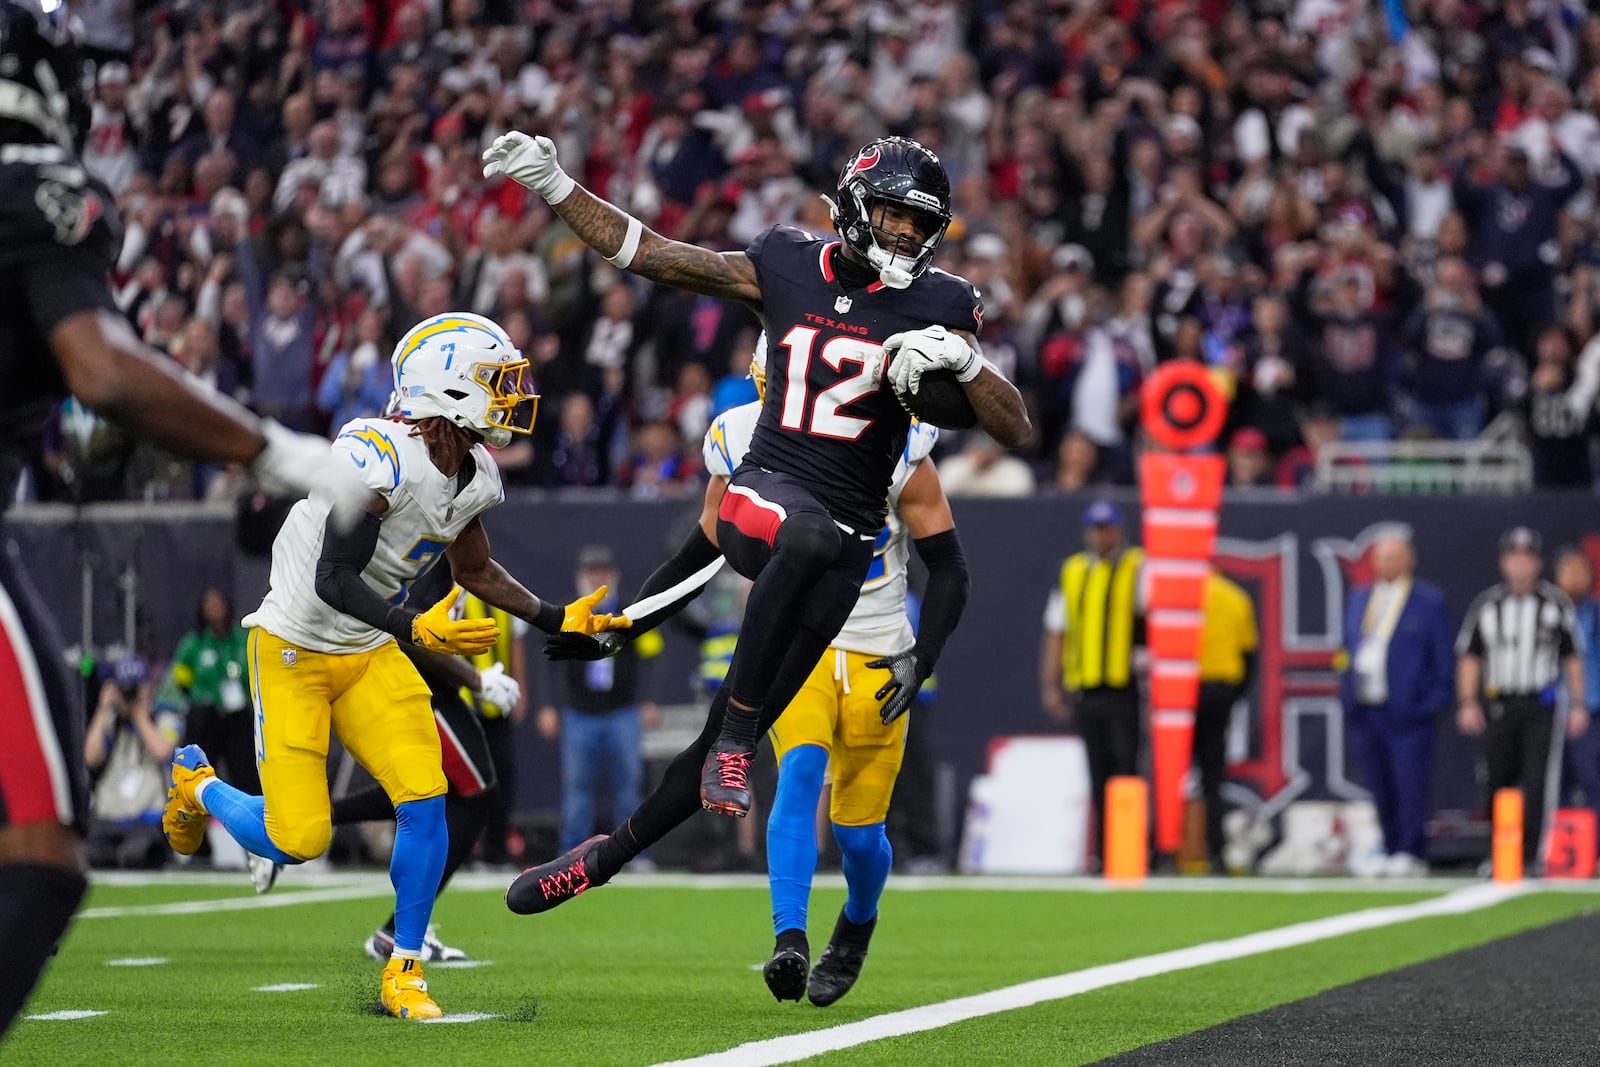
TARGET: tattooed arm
(999,406)
(729,275)
(531,161)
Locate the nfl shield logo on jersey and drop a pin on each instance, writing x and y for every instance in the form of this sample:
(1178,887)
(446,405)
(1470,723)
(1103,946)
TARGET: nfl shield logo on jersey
(842,304)
(289,657)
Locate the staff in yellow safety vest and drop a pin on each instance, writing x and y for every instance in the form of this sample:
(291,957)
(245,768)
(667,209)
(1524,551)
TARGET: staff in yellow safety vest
(1092,623)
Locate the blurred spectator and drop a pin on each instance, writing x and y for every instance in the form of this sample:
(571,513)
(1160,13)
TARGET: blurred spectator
(1352,364)
(601,715)
(1560,434)
(283,313)
(1319,428)
(577,458)
(983,468)
(1249,463)
(736,387)
(1228,642)
(1086,676)
(358,382)
(127,748)
(1398,670)
(655,465)
(1575,577)
(207,683)
(111,150)
(1447,342)
(1078,463)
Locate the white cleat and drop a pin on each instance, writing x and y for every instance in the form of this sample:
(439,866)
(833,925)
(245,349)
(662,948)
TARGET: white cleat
(263,872)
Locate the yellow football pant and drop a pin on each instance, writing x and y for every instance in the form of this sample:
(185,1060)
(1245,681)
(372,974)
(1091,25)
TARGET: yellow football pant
(837,711)
(375,701)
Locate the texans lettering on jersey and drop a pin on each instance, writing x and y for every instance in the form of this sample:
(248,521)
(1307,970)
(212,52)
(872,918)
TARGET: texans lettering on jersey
(831,419)
(59,234)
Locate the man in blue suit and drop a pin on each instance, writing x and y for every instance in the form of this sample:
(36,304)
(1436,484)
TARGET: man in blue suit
(1400,671)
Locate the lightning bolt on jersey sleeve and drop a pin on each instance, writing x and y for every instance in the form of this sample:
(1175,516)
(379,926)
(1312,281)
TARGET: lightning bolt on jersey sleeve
(426,513)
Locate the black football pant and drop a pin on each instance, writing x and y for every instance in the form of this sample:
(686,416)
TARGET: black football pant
(1519,746)
(808,571)
(1108,721)
(42,780)
(1213,713)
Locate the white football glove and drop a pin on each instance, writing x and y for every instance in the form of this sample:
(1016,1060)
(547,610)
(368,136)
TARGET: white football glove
(498,688)
(294,464)
(528,161)
(915,352)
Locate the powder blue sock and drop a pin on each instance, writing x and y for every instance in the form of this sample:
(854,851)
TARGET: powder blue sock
(415,866)
(792,836)
(866,858)
(244,816)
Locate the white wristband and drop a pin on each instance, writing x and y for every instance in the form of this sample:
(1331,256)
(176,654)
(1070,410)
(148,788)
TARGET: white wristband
(630,244)
(560,189)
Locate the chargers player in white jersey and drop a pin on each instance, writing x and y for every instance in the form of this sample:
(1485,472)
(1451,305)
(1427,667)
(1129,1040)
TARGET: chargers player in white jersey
(848,713)
(323,644)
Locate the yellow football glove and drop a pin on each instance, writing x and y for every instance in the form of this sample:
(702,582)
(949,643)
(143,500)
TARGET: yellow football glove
(435,629)
(580,617)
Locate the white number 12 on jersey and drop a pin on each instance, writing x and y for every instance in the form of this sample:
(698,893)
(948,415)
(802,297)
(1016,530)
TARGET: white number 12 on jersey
(826,418)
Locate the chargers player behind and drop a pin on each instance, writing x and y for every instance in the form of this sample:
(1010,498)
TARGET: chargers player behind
(802,512)
(323,644)
(847,710)
(849,716)
(61,334)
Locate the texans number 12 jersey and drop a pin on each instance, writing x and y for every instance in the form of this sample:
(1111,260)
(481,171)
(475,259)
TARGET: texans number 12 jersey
(878,625)
(831,419)
(426,514)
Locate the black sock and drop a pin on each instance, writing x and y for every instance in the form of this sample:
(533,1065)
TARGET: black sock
(36,904)
(794,939)
(674,800)
(369,805)
(742,726)
(465,816)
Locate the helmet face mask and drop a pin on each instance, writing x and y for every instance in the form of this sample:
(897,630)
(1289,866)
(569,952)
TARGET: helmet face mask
(464,369)
(894,176)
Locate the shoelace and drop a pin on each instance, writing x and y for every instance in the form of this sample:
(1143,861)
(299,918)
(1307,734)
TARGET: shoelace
(733,770)
(569,881)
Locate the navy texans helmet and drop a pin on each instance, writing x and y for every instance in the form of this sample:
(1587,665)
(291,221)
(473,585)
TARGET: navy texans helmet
(41,89)
(900,172)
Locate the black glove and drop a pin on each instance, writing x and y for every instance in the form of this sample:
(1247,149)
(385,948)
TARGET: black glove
(569,644)
(907,672)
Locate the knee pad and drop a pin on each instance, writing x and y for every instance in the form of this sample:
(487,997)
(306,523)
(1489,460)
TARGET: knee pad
(810,538)
(304,841)
(861,840)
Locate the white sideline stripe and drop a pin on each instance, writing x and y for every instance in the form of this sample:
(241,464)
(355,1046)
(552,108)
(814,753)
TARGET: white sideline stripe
(66,1016)
(138,961)
(794,1047)
(463,1017)
(197,907)
(461,965)
(286,987)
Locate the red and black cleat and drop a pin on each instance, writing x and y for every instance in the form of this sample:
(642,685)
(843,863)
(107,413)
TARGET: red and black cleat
(725,779)
(543,887)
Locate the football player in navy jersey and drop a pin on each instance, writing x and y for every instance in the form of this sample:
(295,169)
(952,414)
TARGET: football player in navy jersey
(852,323)
(61,333)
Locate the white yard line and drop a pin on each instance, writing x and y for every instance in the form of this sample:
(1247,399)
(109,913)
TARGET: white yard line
(250,903)
(933,1016)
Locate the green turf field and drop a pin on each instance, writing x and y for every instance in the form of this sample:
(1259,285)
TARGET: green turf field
(648,973)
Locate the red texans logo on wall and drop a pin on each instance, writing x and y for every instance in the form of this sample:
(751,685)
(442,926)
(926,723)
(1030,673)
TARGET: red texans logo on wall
(866,161)
(1298,688)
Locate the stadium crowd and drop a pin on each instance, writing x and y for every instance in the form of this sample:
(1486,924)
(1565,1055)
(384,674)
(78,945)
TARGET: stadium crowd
(1371,220)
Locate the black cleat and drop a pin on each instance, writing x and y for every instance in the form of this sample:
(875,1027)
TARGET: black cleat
(725,778)
(840,965)
(543,887)
(786,972)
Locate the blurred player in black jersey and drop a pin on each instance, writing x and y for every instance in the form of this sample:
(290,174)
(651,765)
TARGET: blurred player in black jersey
(60,333)
(802,512)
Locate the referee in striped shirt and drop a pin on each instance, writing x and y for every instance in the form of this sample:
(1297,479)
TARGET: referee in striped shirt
(1517,641)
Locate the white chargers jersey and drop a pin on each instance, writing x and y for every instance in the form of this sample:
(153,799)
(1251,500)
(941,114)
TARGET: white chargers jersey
(879,625)
(424,518)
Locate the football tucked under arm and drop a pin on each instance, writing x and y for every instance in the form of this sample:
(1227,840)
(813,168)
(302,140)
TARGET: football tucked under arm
(928,370)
